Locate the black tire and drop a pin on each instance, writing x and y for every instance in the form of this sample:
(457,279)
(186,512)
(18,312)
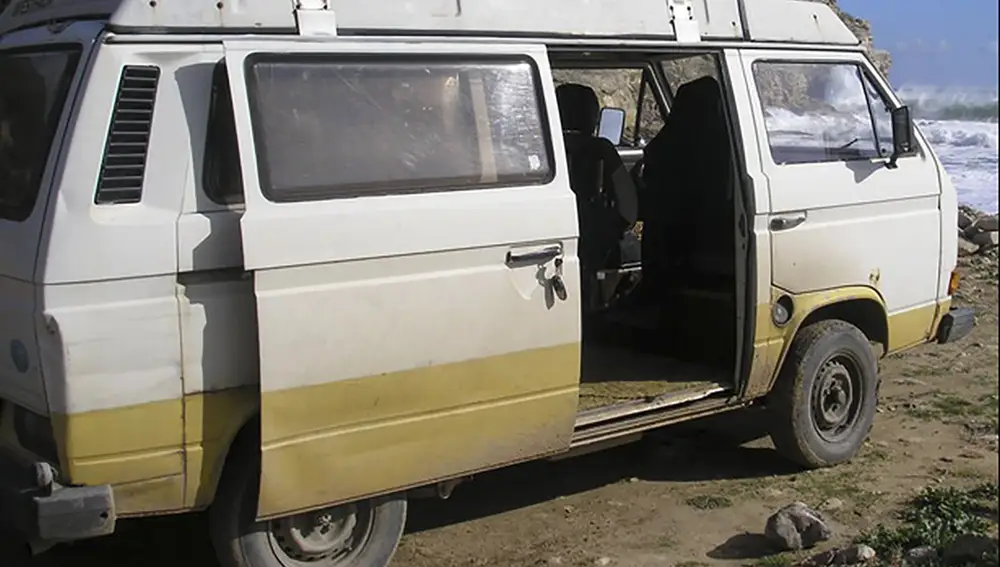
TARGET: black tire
(830,372)
(240,541)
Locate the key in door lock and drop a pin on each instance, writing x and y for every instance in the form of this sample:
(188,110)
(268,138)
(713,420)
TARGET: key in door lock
(556,281)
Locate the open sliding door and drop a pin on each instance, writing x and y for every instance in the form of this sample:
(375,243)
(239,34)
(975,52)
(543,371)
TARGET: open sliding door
(410,237)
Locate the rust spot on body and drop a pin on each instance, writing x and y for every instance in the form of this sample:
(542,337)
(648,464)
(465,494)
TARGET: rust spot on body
(874,277)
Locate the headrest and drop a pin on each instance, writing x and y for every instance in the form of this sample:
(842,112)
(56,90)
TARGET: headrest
(705,94)
(579,108)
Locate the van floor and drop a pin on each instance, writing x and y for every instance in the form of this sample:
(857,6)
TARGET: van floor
(613,374)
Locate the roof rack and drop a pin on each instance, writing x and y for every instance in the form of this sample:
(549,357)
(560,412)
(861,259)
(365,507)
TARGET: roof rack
(684,21)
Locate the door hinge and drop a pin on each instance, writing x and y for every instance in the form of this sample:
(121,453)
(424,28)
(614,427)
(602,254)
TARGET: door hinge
(682,17)
(315,18)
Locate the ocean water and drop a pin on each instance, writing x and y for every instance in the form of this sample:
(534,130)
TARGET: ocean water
(961,126)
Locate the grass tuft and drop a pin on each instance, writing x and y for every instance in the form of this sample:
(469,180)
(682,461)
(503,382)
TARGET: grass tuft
(709,502)
(936,518)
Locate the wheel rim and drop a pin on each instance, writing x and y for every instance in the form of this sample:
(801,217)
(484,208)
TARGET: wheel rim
(330,537)
(837,397)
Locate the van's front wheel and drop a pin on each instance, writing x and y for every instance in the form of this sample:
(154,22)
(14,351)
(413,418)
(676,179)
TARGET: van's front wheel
(823,404)
(363,534)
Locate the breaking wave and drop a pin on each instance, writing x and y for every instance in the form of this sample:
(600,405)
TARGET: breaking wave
(966,104)
(961,126)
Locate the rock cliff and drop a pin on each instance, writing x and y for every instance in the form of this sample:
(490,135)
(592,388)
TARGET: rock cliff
(863,30)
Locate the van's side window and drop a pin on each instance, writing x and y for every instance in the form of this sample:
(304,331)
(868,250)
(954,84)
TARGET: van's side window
(33,91)
(650,114)
(627,88)
(223,179)
(820,112)
(617,87)
(329,127)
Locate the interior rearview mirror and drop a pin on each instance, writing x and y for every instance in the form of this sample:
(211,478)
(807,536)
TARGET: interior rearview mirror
(612,125)
(902,134)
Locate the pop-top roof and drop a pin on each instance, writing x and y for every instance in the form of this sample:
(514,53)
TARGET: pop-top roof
(682,20)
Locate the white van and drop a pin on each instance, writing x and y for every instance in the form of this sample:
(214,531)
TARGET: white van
(296,262)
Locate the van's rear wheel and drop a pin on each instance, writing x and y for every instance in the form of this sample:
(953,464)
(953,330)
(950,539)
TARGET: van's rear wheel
(363,534)
(823,404)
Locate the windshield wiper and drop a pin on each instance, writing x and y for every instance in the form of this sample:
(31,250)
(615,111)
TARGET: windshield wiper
(849,144)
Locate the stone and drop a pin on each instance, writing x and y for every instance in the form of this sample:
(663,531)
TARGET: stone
(969,232)
(987,224)
(796,527)
(863,31)
(965,219)
(602,561)
(828,557)
(831,504)
(853,555)
(919,556)
(856,554)
(987,240)
(969,548)
(967,248)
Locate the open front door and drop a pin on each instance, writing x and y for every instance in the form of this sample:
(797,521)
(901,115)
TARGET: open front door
(414,250)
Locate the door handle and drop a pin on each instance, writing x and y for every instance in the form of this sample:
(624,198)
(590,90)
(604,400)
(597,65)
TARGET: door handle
(787,222)
(534,257)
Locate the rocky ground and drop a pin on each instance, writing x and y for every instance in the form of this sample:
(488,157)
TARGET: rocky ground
(702,494)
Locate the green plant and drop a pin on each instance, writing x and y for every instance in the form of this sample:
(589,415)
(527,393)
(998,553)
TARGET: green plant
(935,517)
(709,502)
(780,560)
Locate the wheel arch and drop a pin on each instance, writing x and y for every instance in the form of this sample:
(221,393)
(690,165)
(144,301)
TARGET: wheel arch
(861,306)
(866,314)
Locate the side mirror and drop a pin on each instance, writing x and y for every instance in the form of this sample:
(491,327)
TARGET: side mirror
(902,135)
(612,125)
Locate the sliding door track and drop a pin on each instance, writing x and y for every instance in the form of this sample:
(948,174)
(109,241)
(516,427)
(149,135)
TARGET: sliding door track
(604,424)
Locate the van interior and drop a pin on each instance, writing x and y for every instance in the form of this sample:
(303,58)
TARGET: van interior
(652,164)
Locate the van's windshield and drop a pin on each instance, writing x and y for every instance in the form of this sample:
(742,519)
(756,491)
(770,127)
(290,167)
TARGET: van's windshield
(33,92)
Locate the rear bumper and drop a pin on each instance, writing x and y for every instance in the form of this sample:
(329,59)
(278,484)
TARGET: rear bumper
(955,325)
(36,509)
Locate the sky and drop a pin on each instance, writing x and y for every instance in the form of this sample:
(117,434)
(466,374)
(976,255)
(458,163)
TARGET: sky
(934,42)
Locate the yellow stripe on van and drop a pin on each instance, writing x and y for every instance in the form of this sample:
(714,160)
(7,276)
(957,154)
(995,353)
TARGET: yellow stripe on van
(347,439)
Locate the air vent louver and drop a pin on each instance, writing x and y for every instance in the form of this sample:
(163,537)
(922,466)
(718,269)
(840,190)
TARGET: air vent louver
(124,165)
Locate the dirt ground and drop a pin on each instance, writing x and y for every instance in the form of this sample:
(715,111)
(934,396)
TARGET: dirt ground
(698,495)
